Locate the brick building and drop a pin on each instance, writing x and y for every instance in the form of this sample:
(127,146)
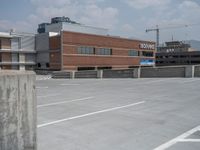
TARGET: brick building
(66,46)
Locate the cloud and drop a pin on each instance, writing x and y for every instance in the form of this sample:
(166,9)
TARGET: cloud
(21,26)
(127,28)
(86,12)
(175,20)
(96,16)
(186,13)
(189,10)
(141,14)
(141,4)
(47,3)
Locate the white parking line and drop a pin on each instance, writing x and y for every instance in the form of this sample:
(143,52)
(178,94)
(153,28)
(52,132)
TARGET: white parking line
(63,102)
(189,140)
(177,139)
(69,84)
(189,81)
(40,87)
(90,114)
(43,96)
(156,80)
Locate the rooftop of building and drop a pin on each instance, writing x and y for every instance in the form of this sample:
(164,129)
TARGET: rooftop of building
(5,35)
(12,34)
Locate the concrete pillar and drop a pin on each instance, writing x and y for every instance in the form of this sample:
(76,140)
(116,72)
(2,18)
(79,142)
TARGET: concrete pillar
(136,72)
(72,74)
(22,60)
(22,67)
(193,71)
(99,74)
(189,71)
(17,111)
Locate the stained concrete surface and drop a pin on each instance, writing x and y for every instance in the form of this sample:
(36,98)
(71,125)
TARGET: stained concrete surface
(171,107)
(17,111)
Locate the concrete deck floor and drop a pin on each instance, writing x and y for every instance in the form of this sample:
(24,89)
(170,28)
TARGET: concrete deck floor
(119,114)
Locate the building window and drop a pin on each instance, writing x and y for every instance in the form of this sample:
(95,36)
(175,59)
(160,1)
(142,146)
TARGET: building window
(104,51)
(147,54)
(85,68)
(39,65)
(47,65)
(133,53)
(104,68)
(86,50)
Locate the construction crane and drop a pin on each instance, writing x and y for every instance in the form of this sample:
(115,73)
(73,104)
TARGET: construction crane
(157,34)
(157,30)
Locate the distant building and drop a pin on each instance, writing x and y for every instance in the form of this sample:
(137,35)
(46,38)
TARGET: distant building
(174,46)
(71,46)
(194,44)
(17,51)
(177,53)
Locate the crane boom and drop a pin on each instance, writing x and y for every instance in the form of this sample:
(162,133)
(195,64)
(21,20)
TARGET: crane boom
(157,34)
(157,30)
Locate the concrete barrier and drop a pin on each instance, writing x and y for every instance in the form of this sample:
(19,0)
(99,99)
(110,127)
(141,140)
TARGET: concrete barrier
(163,72)
(196,71)
(148,72)
(61,74)
(86,74)
(43,72)
(127,73)
(189,71)
(17,111)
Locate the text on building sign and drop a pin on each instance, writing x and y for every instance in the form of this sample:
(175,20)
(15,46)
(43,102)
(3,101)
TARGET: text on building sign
(147,46)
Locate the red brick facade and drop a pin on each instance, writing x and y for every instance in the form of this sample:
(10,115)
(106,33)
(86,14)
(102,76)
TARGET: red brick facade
(71,60)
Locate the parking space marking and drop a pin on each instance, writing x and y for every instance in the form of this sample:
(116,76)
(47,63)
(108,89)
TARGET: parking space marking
(42,87)
(90,114)
(158,80)
(69,84)
(43,96)
(177,139)
(189,81)
(189,140)
(64,102)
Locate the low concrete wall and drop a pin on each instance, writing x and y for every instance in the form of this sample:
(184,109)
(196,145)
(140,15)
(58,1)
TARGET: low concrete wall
(162,72)
(61,74)
(43,72)
(197,71)
(86,74)
(151,72)
(17,111)
(128,73)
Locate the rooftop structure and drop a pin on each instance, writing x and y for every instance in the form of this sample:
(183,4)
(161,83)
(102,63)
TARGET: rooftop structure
(174,46)
(65,24)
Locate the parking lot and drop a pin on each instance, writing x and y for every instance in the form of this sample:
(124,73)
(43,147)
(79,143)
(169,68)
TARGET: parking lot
(119,114)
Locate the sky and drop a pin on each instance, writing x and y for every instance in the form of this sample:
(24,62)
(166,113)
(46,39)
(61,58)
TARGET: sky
(126,18)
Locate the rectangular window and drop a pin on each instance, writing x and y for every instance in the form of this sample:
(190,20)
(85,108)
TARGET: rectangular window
(15,57)
(147,54)
(133,53)
(85,50)
(104,51)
